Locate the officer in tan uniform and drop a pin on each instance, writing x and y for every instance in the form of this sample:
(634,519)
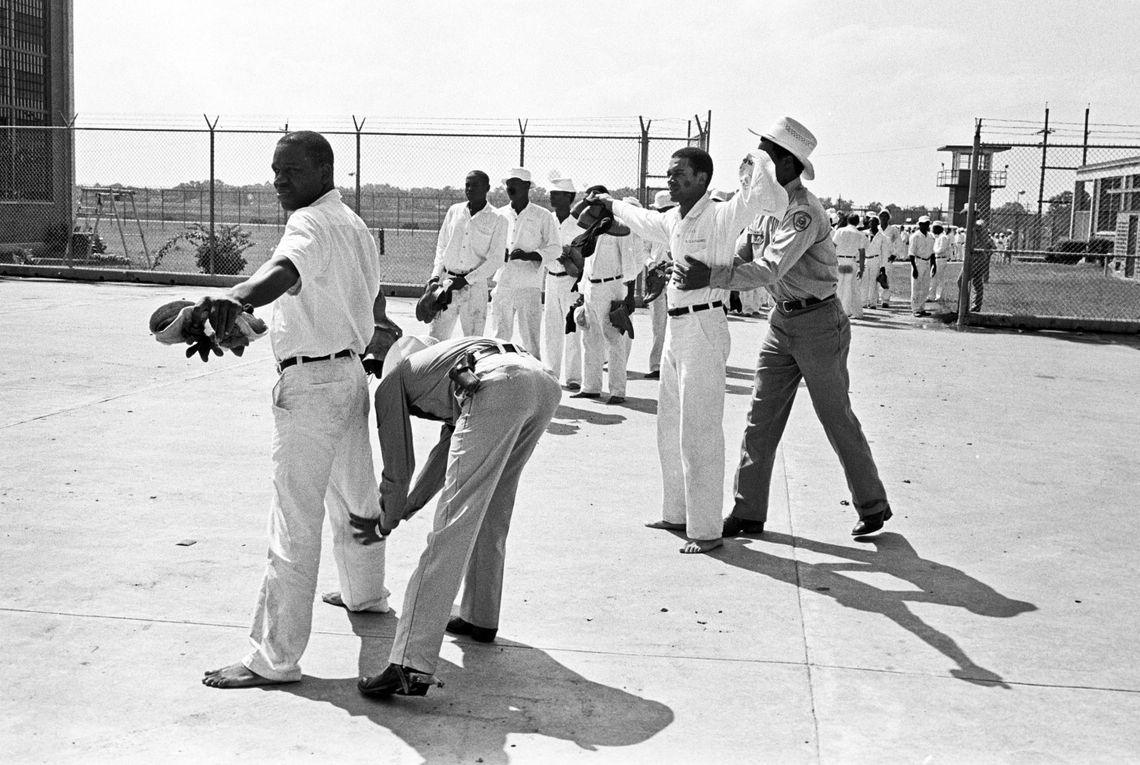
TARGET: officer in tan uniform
(808,339)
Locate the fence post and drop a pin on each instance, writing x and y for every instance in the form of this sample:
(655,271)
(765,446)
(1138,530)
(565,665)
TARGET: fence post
(69,125)
(213,236)
(971,215)
(643,163)
(359,127)
(1041,189)
(522,142)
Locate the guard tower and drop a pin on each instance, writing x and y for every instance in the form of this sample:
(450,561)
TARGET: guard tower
(956,177)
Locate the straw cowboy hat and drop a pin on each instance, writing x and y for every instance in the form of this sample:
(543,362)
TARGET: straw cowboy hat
(794,137)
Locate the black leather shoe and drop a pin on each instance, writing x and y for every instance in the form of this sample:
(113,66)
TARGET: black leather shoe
(457,626)
(580,394)
(871,523)
(396,680)
(735,527)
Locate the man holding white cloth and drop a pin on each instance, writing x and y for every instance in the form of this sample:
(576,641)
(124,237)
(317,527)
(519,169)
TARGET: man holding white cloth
(690,437)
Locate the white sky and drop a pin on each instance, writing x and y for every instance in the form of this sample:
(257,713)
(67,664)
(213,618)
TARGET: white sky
(882,85)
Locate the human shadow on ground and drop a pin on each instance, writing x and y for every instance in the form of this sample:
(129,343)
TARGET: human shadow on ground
(892,554)
(574,416)
(502,689)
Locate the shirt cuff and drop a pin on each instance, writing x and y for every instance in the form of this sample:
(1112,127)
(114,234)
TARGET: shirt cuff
(720,277)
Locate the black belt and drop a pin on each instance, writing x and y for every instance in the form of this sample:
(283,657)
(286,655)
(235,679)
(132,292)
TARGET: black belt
(796,305)
(286,363)
(490,350)
(560,273)
(454,274)
(682,310)
(603,281)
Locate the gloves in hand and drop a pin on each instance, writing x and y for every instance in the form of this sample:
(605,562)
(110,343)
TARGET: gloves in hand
(366,531)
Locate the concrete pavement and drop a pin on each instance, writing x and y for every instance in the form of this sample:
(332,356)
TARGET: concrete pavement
(994,620)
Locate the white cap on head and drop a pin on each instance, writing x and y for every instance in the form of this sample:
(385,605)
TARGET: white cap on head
(518,172)
(794,137)
(924,219)
(662,200)
(558,182)
(401,349)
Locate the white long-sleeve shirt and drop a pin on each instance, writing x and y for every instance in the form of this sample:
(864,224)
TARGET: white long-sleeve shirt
(535,229)
(470,244)
(708,233)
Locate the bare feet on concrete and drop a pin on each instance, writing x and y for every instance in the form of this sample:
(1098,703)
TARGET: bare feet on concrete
(665,525)
(701,546)
(237,676)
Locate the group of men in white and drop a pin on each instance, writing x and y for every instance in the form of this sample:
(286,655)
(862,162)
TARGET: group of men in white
(865,245)
(512,263)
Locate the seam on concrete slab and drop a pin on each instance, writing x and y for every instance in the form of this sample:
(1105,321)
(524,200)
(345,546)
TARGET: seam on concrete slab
(125,394)
(800,608)
(591,652)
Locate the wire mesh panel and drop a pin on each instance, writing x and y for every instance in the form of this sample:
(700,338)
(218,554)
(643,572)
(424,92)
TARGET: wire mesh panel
(198,198)
(1055,241)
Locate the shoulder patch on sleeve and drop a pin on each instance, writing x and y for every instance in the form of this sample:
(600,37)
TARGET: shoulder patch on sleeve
(801,220)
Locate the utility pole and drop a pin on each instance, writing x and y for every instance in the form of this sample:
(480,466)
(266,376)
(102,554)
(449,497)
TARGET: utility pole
(1045,131)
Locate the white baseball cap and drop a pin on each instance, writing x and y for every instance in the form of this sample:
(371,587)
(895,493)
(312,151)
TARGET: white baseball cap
(662,200)
(518,172)
(924,219)
(558,182)
(794,137)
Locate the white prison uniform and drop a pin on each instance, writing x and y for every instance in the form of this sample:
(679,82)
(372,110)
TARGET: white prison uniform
(941,283)
(558,346)
(471,246)
(920,247)
(322,458)
(518,288)
(848,241)
(658,309)
(603,281)
(877,252)
(690,413)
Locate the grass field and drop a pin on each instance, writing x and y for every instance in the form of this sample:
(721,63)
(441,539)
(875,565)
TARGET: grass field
(1080,291)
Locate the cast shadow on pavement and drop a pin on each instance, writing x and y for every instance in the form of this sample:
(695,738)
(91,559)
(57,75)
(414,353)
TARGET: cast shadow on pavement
(574,416)
(893,554)
(502,691)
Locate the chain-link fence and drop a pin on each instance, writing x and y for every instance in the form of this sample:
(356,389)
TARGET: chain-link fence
(1051,212)
(200,199)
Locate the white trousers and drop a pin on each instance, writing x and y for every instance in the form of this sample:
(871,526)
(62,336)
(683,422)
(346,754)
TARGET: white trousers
(870,283)
(526,303)
(559,346)
(601,341)
(658,316)
(468,309)
(944,284)
(920,286)
(752,301)
(322,460)
(690,421)
(850,289)
(493,439)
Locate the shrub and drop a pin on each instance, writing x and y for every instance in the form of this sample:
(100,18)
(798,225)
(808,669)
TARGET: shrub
(1067,251)
(229,243)
(83,243)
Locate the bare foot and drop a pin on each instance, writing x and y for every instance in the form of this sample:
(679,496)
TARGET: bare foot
(701,546)
(238,676)
(334,599)
(665,525)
